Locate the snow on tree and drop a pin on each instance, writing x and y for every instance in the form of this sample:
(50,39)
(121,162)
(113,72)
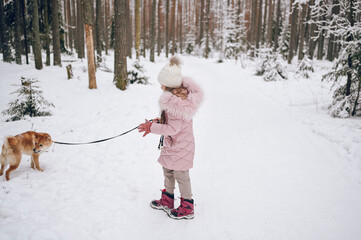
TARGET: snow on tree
(346,72)
(234,33)
(305,66)
(136,74)
(29,101)
(284,40)
(190,42)
(271,66)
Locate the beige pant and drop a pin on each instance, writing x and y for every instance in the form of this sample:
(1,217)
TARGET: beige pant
(183,180)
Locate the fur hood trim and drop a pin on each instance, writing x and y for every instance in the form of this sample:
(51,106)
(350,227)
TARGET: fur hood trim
(183,109)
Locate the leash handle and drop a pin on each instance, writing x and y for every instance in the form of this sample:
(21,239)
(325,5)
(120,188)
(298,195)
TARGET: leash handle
(97,141)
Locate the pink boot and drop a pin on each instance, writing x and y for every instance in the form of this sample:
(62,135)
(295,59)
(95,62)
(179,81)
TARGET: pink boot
(184,211)
(165,203)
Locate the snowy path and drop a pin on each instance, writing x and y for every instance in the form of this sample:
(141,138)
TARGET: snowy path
(259,174)
(270,177)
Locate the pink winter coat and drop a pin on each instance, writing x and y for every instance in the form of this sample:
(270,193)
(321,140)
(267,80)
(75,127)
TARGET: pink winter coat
(178,149)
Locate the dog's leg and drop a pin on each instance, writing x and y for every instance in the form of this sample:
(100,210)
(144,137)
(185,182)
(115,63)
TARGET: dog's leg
(32,163)
(14,162)
(11,168)
(2,161)
(35,158)
(3,165)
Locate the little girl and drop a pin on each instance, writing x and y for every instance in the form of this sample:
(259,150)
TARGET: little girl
(179,102)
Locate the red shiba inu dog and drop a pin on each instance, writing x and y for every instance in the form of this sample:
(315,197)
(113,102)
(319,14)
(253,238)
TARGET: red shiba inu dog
(29,143)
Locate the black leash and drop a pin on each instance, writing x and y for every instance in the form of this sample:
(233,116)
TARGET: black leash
(98,141)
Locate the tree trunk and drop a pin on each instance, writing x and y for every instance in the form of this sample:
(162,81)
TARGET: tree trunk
(56,33)
(270,22)
(307,25)
(254,22)
(254,25)
(206,22)
(321,40)
(294,17)
(80,29)
(351,19)
(120,60)
(265,21)
(357,96)
(331,41)
(98,26)
(173,30)
(167,29)
(302,32)
(17,34)
(201,23)
(153,33)
(259,24)
(4,35)
(160,28)
(73,24)
(36,36)
(129,30)
(23,6)
(180,24)
(106,25)
(68,22)
(137,27)
(144,29)
(64,20)
(247,19)
(277,27)
(313,28)
(88,22)
(47,37)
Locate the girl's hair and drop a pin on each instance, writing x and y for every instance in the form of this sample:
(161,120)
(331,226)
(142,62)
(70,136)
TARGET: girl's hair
(181,92)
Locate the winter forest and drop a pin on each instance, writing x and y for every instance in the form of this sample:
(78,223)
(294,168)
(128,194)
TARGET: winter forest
(277,31)
(277,135)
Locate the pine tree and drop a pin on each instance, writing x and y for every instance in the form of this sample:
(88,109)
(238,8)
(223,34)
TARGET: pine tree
(284,41)
(345,74)
(234,34)
(305,66)
(190,43)
(29,101)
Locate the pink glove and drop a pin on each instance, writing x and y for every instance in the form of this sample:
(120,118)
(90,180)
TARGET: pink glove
(145,127)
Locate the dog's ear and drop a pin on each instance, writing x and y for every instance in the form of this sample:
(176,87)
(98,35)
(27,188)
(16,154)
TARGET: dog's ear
(49,139)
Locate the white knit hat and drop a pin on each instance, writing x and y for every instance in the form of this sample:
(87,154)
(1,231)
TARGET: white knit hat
(170,75)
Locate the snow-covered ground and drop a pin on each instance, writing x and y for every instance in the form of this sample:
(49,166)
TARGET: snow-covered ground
(270,162)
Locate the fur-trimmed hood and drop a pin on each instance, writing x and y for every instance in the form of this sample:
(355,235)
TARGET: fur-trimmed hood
(183,109)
